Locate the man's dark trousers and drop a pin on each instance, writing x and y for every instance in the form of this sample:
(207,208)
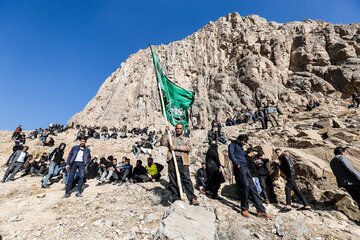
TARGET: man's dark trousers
(185,177)
(354,191)
(15,167)
(80,167)
(248,189)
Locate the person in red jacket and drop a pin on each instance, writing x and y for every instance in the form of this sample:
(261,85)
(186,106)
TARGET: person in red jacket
(17,132)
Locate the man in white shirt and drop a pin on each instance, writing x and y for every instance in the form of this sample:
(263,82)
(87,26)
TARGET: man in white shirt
(16,161)
(79,157)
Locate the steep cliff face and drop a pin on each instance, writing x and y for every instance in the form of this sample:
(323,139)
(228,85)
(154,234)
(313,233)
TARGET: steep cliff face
(232,63)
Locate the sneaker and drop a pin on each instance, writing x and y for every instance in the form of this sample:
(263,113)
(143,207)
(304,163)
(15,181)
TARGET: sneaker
(121,183)
(264,215)
(78,194)
(99,184)
(3,180)
(245,213)
(46,186)
(66,195)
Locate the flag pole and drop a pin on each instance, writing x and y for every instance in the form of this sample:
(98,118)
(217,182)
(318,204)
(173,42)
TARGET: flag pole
(181,193)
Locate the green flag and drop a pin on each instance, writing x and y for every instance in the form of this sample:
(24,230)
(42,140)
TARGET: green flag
(177,100)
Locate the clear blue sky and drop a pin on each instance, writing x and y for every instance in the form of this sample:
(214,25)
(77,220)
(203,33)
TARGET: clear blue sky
(54,55)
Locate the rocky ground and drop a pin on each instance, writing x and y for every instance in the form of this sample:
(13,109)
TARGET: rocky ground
(142,211)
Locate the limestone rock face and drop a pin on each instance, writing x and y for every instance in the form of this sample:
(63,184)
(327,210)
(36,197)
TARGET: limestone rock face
(232,63)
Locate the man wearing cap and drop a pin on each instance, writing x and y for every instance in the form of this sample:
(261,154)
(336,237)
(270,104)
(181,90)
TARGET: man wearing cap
(181,145)
(243,178)
(347,176)
(78,158)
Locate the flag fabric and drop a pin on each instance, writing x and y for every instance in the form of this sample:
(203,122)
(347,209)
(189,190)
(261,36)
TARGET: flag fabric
(177,100)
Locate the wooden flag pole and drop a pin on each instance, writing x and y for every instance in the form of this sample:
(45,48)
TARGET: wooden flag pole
(172,152)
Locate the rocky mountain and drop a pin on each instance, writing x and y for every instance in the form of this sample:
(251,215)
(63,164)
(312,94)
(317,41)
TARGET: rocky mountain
(233,63)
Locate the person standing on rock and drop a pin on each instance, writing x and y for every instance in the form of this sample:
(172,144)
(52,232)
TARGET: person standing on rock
(213,170)
(55,158)
(16,162)
(288,169)
(243,178)
(78,157)
(271,114)
(181,146)
(347,176)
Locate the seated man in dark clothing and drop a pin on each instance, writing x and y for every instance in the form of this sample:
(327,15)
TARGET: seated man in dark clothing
(20,139)
(114,135)
(201,177)
(96,135)
(356,100)
(140,173)
(153,170)
(107,169)
(39,167)
(136,148)
(126,172)
(49,143)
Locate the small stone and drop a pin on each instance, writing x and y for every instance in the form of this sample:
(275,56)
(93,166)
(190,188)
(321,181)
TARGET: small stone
(151,218)
(13,218)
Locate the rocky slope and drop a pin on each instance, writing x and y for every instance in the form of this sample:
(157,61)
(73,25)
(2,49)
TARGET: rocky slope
(139,211)
(232,63)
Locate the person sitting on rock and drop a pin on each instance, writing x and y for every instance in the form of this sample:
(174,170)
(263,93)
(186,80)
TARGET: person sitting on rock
(311,105)
(347,176)
(146,148)
(55,157)
(39,168)
(243,178)
(16,162)
(114,135)
(49,143)
(20,139)
(43,136)
(271,114)
(126,172)
(123,132)
(153,170)
(108,168)
(201,178)
(139,173)
(105,136)
(17,132)
(263,174)
(33,135)
(136,148)
(96,135)
(287,167)
(356,100)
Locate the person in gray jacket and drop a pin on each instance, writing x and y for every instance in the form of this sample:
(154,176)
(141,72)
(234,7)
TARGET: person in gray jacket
(17,161)
(347,176)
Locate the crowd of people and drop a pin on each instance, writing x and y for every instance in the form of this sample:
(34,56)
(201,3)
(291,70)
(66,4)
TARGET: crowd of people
(266,115)
(250,170)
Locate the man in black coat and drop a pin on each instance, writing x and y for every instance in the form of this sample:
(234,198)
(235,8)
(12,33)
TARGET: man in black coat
(288,169)
(201,177)
(347,176)
(16,162)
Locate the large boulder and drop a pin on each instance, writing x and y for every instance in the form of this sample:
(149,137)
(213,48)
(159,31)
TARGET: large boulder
(182,221)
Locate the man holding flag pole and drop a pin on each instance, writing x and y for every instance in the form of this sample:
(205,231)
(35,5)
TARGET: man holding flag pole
(175,101)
